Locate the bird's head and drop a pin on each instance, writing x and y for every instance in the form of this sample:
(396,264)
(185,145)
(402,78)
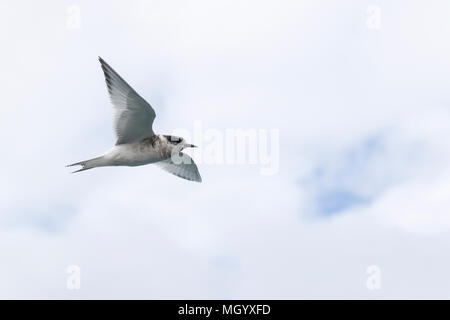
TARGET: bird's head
(178,142)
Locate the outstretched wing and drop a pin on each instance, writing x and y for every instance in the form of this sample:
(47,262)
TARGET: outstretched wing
(184,168)
(133,115)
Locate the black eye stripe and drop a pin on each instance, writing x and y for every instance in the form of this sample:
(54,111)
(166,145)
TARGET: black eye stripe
(173,140)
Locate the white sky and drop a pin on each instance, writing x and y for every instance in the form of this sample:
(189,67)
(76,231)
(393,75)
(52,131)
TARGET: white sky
(364,120)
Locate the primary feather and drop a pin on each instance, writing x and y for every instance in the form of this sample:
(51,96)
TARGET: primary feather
(133,119)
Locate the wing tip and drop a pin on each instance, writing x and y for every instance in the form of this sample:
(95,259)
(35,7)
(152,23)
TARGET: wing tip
(103,63)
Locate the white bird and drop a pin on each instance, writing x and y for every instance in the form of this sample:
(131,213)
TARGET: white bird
(136,142)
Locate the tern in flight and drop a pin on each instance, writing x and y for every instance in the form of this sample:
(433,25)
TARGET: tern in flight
(136,143)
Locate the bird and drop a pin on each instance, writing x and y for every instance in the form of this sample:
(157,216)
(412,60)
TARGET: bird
(136,142)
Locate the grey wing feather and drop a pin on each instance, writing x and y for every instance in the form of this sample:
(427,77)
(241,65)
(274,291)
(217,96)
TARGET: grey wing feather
(187,169)
(133,115)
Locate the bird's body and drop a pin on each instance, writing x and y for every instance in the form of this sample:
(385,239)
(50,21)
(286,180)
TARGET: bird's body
(138,153)
(136,143)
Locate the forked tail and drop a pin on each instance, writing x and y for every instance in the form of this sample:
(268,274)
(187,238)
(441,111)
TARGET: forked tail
(88,164)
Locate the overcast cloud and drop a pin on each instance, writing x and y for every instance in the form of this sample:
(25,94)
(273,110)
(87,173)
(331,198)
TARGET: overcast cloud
(363,114)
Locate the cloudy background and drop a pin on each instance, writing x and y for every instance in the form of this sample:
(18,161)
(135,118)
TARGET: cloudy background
(364,176)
